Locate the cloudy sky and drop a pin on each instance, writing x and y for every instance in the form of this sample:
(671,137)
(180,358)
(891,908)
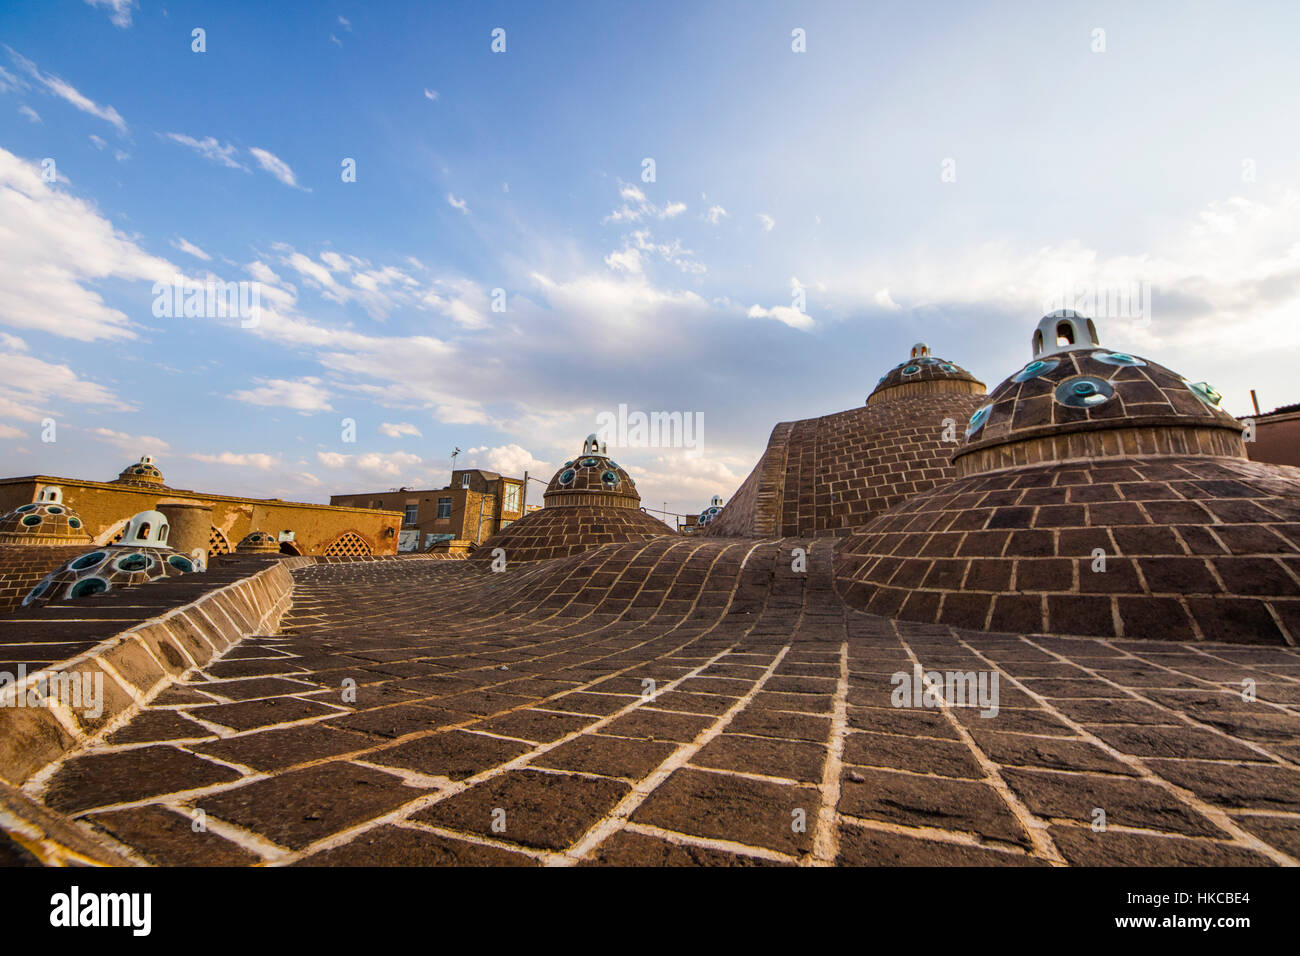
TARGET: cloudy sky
(829,183)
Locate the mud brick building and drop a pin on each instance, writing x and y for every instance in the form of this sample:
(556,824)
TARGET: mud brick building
(34,541)
(473,507)
(1277,437)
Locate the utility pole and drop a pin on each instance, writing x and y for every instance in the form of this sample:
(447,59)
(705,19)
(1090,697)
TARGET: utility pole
(453,465)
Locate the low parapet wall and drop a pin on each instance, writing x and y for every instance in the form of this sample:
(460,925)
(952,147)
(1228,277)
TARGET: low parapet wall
(43,715)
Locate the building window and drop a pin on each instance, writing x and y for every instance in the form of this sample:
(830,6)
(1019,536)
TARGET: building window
(464,481)
(412,513)
(512,499)
(444,507)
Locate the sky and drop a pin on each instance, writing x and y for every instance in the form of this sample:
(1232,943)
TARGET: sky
(743,212)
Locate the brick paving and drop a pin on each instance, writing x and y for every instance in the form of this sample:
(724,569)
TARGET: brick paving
(685,702)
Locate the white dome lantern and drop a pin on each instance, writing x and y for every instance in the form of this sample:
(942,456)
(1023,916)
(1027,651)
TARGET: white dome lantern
(50,495)
(147,529)
(1064,331)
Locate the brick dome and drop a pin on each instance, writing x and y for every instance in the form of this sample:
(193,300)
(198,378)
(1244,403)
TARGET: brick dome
(1133,515)
(591,501)
(922,373)
(592,478)
(832,474)
(559,531)
(141,556)
(258,542)
(144,473)
(45,521)
(1086,401)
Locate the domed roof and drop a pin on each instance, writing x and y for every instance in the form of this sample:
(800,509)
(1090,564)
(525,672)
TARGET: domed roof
(47,520)
(560,531)
(258,542)
(144,473)
(709,513)
(140,557)
(1099,494)
(938,375)
(592,478)
(1083,400)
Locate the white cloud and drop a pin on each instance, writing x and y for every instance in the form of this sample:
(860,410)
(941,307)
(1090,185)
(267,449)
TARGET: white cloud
(345,23)
(119,10)
(715,214)
(767,221)
(66,91)
(637,207)
(184,245)
(303,395)
(258,460)
(332,459)
(8,431)
(510,460)
(32,389)
(458,204)
(209,148)
(98,141)
(399,429)
(783,313)
(30,113)
(131,444)
(276,166)
(630,258)
(55,245)
(430,94)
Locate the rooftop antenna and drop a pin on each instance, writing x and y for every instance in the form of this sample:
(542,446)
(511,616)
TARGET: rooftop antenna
(453,461)
(1254,401)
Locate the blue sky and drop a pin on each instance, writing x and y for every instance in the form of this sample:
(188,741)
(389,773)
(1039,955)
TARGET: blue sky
(929,172)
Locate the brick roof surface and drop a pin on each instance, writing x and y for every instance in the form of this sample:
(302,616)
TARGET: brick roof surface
(684,701)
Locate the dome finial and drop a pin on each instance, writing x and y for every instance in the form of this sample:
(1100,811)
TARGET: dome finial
(1063,331)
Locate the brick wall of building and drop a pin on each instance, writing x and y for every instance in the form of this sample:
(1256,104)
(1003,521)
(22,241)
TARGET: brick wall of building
(318,529)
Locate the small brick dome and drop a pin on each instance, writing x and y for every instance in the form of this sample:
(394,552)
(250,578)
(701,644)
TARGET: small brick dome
(45,521)
(592,478)
(590,502)
(923,373)
(144,474)
(258,542)
(142,556)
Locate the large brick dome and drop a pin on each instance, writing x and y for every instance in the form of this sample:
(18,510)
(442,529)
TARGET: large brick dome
(832,474)
(1100,494)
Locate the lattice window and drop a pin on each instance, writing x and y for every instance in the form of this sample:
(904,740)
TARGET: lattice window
(349,544)
(217,542)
